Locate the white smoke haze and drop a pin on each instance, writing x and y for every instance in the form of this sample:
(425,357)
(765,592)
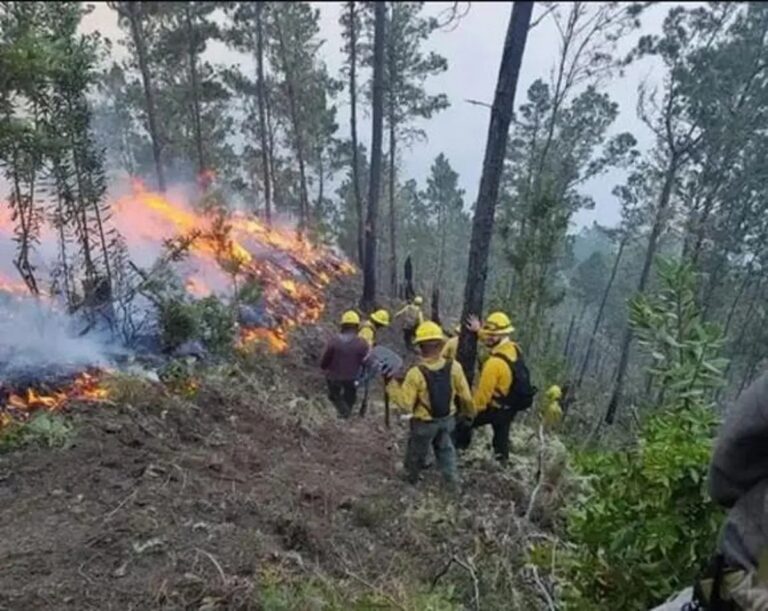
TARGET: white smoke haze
(36,338)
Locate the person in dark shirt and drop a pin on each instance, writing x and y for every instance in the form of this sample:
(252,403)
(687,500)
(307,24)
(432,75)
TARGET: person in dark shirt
(341,362)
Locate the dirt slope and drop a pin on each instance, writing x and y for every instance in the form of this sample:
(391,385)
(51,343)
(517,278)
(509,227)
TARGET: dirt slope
(228,500)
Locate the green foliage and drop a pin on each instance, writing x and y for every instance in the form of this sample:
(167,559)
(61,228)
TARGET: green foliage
(250,292)
(217,325)
(46,429)
(278,594)
(685,349)
(645,525)
(208,320)
(178,322)
(179,377)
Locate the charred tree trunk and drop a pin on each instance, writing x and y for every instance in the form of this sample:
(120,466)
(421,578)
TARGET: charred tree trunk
(369,267)
(192,50)
(137,32)
(409,291)
(650,253)
(493,162)
(266,164)
(600,312)
(392,215)
(353,129)
(435,309)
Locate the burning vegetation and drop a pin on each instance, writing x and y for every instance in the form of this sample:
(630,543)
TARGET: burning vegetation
(187,276)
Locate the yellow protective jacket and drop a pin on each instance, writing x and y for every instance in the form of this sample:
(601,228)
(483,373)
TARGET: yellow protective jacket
(450,348)
(413,396)
(496,376)
(368,333)
(412,314)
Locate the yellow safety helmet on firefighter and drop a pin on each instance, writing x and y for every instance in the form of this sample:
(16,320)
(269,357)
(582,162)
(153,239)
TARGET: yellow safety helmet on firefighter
(381,317)
(418,300)
(497,323)
(350,317)
(427,332)
(554,393)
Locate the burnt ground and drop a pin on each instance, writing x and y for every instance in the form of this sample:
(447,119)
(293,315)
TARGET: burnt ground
(244,494)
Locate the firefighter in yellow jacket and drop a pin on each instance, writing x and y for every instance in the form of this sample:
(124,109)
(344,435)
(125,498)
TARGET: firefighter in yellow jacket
(427,392)
(378,320)
(451,347)
(504,387)
(412,318)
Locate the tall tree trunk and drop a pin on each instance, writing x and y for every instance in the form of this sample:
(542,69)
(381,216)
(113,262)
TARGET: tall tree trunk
(737,299)
(392,215)
(137,32)
(320,188)
(260,94)
(442,228)
(353,129)
(650,253)
(369,268)
(271,149)
(568,336)
(493,162)
(197,119)
(392,86)
(600,312)
(297,131)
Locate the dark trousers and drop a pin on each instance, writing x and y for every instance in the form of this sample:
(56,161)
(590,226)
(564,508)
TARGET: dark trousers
(431,435)
(499,419)
(343,395)
(408,334)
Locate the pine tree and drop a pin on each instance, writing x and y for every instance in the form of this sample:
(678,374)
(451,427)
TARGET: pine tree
(495,149)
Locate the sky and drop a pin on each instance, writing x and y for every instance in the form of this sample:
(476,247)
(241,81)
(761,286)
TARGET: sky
(473,50)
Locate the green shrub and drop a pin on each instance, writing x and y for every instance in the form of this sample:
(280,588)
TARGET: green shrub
(645,526)
(179,322)
(47,429)
(217,325)
(251,291)
(209,320)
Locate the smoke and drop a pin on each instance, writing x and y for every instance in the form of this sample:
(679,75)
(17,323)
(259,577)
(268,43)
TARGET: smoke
(38,338)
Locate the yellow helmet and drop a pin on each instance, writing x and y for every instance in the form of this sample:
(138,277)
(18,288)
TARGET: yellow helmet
(428,331)
(497,323)
(350,317)
(554,393)
(418,300)
(381,317)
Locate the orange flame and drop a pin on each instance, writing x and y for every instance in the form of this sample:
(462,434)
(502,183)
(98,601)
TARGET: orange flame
(85,387)
(249,249)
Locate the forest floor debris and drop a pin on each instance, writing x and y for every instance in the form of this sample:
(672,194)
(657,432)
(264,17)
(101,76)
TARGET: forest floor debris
(250,494)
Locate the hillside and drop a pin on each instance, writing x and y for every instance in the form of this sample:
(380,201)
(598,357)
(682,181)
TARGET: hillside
(252,495)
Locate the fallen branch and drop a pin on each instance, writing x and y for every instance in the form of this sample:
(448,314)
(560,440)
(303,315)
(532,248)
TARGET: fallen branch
(539,474)
(120,504)
(224,580)
(467,566)
(547,596)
